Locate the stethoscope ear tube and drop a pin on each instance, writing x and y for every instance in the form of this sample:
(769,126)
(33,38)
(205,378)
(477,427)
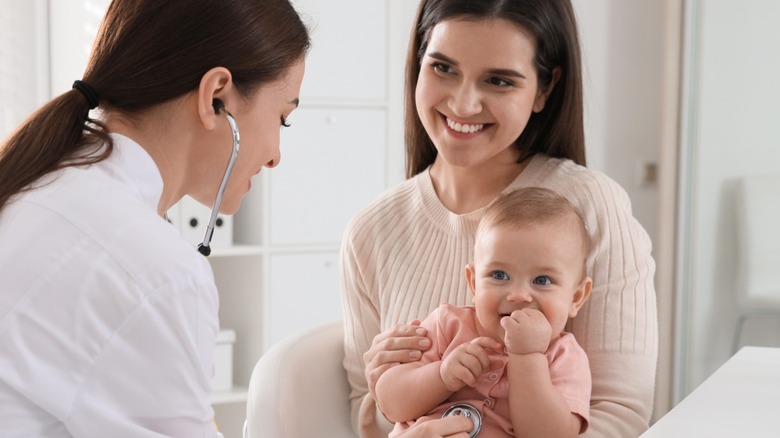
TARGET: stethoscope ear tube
(204,247)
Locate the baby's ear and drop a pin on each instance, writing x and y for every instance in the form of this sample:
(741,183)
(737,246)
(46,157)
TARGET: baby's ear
(581,295)
(471,279)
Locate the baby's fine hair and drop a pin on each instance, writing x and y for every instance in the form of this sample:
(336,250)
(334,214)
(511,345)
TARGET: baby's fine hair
(532,205)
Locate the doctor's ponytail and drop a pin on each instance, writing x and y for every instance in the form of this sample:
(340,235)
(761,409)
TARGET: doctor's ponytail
(51,138)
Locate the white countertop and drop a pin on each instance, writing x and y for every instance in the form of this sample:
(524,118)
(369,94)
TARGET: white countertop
(741,399)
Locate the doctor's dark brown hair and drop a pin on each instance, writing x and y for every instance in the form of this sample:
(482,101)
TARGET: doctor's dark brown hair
(558,130)
(148,52)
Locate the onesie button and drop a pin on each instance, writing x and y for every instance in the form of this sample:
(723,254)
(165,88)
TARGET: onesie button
(493,376)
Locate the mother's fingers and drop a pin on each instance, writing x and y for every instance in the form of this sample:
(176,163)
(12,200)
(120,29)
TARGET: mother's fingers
(394,356)
(449,427)
(408,337)
(396,350)
(400,344)
(402,330)
(455,426)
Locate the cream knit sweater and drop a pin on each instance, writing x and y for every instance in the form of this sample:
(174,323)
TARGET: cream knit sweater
(405,254)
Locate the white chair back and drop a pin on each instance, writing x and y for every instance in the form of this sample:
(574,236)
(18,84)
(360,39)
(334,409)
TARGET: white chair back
(299,388)
(758,222)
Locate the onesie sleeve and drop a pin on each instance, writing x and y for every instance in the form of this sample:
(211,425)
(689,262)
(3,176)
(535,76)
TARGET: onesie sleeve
(570,375)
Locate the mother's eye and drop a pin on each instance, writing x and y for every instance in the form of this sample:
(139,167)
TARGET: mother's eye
(441,67)
(499,82)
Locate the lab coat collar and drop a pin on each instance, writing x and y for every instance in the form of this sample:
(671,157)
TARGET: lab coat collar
(131,163)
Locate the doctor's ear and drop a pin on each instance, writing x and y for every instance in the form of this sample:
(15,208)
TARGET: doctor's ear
(218,105)
(214,92)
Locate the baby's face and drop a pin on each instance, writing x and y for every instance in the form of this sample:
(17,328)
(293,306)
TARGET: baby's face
(538,266)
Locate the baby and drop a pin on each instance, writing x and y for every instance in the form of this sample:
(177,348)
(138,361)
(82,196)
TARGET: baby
(506,361)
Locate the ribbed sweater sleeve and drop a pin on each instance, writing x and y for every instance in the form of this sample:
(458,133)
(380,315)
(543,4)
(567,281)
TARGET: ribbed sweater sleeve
(404,255)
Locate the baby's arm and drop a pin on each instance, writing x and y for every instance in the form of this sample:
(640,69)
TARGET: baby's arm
(408,391)
(537,407)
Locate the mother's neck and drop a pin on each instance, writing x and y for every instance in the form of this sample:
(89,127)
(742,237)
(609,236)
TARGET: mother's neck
(466,189)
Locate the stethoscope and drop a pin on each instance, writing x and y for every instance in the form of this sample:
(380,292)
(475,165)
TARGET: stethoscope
(204,247)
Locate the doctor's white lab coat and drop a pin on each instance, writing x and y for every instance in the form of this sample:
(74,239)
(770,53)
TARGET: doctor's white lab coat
(107,317)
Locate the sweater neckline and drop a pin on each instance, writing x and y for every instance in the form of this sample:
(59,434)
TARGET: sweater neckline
(466,223)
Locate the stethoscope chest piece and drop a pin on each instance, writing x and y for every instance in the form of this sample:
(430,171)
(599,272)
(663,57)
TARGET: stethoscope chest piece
(468,411)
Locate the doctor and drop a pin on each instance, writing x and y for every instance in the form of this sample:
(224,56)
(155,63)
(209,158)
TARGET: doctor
(107,318)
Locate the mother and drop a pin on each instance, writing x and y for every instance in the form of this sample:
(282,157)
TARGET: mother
(497,89)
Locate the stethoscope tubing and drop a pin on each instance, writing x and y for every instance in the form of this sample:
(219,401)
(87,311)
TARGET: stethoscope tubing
(204,247)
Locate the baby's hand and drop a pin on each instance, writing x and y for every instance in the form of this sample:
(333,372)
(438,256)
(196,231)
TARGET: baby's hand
(467,362)
(526,331)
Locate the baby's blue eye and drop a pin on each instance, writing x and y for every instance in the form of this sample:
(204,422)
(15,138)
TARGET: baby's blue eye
(542,280)
(499,275)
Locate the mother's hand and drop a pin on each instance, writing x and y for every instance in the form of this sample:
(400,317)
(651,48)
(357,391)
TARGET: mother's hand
(401,344)
(455,426)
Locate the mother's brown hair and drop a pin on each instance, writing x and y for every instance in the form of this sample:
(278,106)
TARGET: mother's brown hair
(148,52)
(558,130)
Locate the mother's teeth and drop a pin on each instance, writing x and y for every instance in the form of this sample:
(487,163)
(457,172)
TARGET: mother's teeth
(464,127)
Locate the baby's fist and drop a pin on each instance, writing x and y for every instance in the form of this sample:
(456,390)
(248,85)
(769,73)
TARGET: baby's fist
(526,331)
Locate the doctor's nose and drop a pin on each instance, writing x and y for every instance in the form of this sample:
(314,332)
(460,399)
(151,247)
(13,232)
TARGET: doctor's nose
(274,161)
(465,101)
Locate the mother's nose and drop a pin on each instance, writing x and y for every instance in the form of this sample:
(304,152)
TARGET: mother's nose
(465,100)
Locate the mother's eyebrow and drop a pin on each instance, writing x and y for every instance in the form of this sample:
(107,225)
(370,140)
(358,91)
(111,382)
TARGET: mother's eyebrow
(506,72)
(494,71)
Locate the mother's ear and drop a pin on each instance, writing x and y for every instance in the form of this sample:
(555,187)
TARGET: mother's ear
(543,94)
(216,85)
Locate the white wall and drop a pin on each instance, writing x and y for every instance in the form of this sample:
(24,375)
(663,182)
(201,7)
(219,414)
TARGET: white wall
(23,61)
(733,132)
(623,62)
